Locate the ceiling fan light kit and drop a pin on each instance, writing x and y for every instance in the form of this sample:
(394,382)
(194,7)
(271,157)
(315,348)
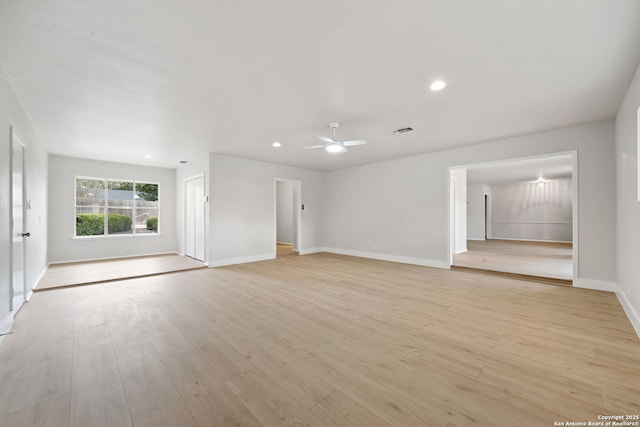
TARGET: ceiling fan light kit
(332,145)
(335,147)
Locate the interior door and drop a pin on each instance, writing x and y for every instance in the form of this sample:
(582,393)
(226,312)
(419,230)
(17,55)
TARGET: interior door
(18,290)
(194,218)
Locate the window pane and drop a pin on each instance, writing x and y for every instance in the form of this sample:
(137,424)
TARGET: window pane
(90,192)
(120,220)
(89,223)
(146,208)
(120,194)
(147,192)
(147,221)
(120,207)
(90,199)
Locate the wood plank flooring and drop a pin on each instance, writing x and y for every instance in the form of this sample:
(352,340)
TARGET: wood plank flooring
(318,340)
(543,259)
(82,273)
(284,249)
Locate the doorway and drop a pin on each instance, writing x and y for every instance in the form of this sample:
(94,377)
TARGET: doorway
(287,216)
(18,224)
(522,217)
(194,217)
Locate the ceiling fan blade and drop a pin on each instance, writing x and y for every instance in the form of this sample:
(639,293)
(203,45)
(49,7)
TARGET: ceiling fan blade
(355,142)
(314,147)
(325,139)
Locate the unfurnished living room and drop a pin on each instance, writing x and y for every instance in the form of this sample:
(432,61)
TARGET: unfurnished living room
(336,213)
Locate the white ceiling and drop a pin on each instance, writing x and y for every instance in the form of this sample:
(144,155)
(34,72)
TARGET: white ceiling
(521,170)
(117,80)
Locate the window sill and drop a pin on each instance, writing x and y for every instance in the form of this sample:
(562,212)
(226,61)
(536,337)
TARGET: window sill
(116,236)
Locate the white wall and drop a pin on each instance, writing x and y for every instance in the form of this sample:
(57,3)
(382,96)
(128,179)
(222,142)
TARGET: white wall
(183,172)
(533,211)
(13,114)
(398,209)
(628,208)
(475,210)
(63,247)
(284,212)
(242,209)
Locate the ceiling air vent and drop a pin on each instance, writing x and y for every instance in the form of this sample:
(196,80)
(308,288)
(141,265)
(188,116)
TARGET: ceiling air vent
(403,130)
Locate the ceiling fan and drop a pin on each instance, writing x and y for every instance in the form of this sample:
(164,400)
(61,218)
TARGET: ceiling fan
(332,145)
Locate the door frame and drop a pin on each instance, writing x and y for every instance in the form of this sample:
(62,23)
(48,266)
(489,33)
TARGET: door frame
(297,194)
(14,138)
(487,216)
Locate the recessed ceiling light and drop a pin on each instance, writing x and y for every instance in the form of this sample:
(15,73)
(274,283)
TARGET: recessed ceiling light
(146,156)
(437,85)
(277,144)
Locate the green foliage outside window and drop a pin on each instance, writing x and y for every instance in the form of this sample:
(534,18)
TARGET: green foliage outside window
(93,224)
(152,223)
(148,192)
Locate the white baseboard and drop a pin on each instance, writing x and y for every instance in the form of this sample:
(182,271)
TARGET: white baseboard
(393,258)
(596,285)
(35,285)
(6,324)
(630,311)
(115,257)
(242,259)
(528,240)
(284,243)
(476,239)
(311,251)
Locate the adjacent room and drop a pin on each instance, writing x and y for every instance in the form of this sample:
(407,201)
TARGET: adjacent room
(328,214)
(520,218)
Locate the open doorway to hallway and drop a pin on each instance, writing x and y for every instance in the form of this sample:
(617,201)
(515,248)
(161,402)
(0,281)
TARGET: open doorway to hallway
(521,218)
(287,227)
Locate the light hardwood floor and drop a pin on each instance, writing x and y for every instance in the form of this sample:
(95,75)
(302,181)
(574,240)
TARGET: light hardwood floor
(552,260)
(284,249)
(320,340)
(82,273)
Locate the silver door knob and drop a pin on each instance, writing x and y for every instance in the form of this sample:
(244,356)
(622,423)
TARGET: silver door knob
(27,234)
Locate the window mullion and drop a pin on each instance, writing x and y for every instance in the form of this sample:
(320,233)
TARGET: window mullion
(134,217)
(105,208)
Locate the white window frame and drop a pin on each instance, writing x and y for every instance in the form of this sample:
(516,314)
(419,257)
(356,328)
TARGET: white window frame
(105,208)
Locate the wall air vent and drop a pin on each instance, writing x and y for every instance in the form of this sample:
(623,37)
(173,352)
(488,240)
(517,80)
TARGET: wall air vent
(182,161)
(403,130)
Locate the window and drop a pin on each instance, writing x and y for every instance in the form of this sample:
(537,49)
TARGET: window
(131,207)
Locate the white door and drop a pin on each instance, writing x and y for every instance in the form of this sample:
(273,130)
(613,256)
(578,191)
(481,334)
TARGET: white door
(194,218)
(18,290)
